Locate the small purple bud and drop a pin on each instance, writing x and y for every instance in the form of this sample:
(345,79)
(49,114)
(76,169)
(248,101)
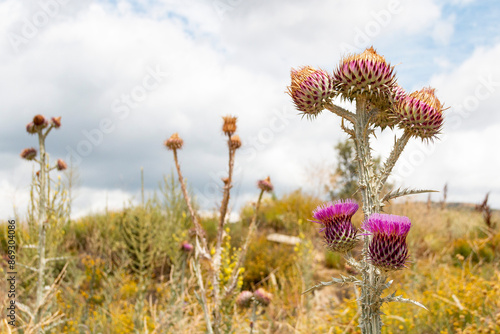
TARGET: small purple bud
(28,153)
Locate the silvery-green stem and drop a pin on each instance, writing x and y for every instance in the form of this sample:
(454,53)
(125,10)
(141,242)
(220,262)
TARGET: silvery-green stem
(392,159)
(254,316)
(370,321)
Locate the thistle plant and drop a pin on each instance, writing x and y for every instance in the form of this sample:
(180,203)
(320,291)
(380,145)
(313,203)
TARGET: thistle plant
(247,299)
(46,212)
(223,277)
(370,83)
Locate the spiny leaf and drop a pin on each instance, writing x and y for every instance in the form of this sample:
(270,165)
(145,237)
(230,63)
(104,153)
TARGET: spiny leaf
(405,192)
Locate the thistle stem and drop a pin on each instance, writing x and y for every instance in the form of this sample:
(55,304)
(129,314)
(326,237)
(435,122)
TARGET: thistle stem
(341,112)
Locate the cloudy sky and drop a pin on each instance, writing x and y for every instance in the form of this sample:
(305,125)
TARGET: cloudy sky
(124,75)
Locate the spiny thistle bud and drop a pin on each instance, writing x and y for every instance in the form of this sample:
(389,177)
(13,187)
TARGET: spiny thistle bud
(30,128)
(386,104)
(235,142)
(229,126)
(340,235)
(263,297)
(174,142)
(421,113)
(61,165)
(310,89)
(56,121)
(186,247)
(265,185)
(388,249)
(366,74)
(244,299)
(28,153)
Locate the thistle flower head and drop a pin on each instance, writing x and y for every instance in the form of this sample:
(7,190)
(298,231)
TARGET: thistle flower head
(39,120)
(244,299)
(388,249)
(263,297)
(310,89)
(174,142)
(56,121)
(61,165)
(366,74)
(339,233)
(186,247)
(265,185)
(421,113)
(235,142)
(386,104)
(28,153)
(229,126)
(30,128)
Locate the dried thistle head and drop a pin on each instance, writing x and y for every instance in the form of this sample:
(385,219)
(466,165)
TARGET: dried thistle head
(229,125)
(56,121)
(265,185)
(28,153)
(244,299)
(174,142)
(386,105)
(421,114)
(340,235)
(263,297)
(388,249)
(235,142)
(39,120)
(30,128)
(310,89)
(61,165)
(366,74)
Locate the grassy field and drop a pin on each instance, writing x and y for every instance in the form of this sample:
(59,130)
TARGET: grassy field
(125,272)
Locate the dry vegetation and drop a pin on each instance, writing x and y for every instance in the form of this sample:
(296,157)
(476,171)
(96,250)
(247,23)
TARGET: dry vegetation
(114,285)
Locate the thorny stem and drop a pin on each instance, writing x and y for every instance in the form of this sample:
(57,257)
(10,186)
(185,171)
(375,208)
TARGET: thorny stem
(244,249)
(199,237)
(220,234)
(392,159)
(254,316)
(41,225)
(199,230)
(370,321)
(341,112)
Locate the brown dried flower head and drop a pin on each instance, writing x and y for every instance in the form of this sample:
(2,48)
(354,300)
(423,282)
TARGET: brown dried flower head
(30,128)
(38,120)
(56,121)
(229,126)
(235,142)
(61,165)
(28,153)
(265,184)
(174,142)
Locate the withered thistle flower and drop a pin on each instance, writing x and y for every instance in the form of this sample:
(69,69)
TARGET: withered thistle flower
(39,120)
(30,128)
(244,299)
(56,121)
(388,249)
(28,153)
(339,233)
(235,142)
(174,142)
(61,165)
(263,297)
(421,113)
(310,89)
(366,74)
(265,184)
(229,126)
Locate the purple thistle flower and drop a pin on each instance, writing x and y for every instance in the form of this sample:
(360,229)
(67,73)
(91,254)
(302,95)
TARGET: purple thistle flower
(388,249)
(339,233)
